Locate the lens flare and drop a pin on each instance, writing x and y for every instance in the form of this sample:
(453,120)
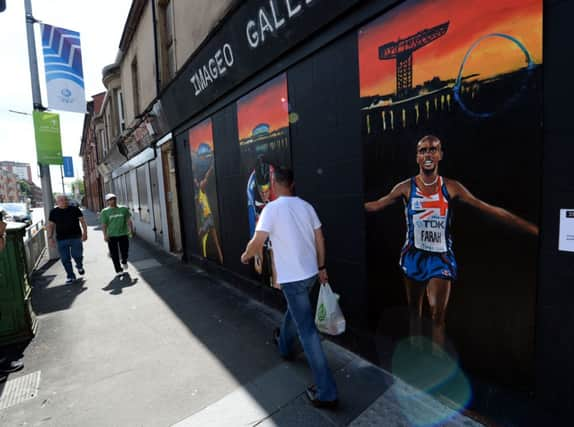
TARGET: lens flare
(293,117)
(436,389)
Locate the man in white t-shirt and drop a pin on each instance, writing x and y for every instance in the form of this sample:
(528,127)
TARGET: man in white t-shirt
(295,232)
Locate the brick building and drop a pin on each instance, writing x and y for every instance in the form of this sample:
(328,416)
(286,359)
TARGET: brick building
(22,170)
(92,141)
(9,188)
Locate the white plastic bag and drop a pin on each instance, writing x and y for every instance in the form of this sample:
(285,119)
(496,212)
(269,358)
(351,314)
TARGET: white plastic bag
(328,316)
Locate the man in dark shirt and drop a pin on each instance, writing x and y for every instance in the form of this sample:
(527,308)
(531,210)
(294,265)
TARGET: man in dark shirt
(66,221)
(2,231)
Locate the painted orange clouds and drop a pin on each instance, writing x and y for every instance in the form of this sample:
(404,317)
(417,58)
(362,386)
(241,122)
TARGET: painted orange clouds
(266,104)
(469,20)
(201,133)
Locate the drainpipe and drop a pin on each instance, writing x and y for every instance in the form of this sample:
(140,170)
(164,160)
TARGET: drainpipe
(155,48)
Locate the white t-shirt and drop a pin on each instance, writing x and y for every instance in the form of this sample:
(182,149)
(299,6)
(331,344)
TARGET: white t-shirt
(291,223)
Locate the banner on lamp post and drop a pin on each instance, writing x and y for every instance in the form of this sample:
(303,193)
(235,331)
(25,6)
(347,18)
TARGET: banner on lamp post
(68,167)
(63,66)
(48,139)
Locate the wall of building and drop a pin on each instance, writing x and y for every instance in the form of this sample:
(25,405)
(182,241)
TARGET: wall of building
(140,48)
(192,23)
(22,170)
(133,184)
(555,318)
(336,142)
(9,188)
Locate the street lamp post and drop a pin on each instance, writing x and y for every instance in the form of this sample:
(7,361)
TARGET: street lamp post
(37,102)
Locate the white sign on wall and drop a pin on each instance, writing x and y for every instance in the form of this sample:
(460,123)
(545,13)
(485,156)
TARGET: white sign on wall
(566,233)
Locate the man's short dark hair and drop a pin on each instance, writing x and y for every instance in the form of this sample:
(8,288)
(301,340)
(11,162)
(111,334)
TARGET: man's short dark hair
(284,176)
(430,138)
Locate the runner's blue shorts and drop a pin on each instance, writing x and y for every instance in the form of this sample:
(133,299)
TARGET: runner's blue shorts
(422,266)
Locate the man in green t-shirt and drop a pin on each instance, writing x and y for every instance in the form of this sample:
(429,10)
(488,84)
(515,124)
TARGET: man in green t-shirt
(2,230)
(118,227)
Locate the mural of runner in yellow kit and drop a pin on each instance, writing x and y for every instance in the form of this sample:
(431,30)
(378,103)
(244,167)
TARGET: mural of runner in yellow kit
(202,159)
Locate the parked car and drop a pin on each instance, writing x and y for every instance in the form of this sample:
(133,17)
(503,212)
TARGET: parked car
(16,212)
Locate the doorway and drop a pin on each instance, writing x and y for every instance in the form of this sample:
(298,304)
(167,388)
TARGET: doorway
(171,198)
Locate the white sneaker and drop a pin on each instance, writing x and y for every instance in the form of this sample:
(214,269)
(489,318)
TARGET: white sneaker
(125,266)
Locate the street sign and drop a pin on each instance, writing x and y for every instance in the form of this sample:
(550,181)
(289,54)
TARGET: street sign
(68,167)
(48,140)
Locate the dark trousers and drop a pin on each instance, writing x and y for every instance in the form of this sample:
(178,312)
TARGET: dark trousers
(68,249)
(119,246)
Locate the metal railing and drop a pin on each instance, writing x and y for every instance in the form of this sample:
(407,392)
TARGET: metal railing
(35,243)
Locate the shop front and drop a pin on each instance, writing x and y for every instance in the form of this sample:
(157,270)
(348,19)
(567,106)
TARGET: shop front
(362,99)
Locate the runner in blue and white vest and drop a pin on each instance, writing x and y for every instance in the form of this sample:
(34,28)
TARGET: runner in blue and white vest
(427,258)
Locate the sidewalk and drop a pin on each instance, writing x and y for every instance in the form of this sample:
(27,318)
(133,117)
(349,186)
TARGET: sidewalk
(168,345)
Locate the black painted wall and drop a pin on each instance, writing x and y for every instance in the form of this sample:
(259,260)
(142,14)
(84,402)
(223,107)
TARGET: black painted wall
(231,190)
(328,165)
(555,313)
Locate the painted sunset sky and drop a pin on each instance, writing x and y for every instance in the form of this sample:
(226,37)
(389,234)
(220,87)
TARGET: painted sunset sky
(469,20)
(266,104)
(201,132)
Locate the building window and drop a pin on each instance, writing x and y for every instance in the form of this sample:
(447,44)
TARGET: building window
(120,109)
(103,141)
(135,86)
(167,38)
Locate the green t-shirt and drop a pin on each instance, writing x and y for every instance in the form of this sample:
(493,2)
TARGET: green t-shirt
(116,220)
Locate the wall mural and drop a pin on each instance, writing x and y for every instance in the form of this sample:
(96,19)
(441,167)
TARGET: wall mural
(263,122)
(451,110)
(203,168)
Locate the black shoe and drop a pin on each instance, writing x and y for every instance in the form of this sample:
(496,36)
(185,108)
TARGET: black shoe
(317,403)
(81,271)
(9,366)
(276,334)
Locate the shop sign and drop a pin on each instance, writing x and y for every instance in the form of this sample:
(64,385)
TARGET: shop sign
(254,36)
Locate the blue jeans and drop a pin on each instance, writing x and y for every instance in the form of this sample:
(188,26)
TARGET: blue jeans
(299,320)
(68,249)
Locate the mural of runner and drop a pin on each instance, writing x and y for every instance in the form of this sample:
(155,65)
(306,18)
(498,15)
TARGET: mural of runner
(263,122)
(455,83)
(203,166)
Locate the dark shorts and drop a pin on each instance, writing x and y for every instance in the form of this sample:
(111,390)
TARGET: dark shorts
(422,266)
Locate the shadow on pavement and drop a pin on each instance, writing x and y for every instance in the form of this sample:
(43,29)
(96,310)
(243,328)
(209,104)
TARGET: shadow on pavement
(225,320)
(119,282)
(56,298)
(48,297)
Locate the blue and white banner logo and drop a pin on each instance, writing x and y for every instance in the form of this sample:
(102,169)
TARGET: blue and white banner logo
(63,65)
